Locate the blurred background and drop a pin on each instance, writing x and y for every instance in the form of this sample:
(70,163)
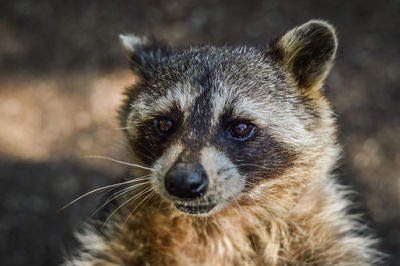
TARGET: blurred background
(62,71)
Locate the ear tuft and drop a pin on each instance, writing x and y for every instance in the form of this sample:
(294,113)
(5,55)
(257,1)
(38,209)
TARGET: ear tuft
(130,42)
(307,52)
(144,54)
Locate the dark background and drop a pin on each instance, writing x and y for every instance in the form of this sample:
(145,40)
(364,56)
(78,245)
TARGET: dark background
(62,71)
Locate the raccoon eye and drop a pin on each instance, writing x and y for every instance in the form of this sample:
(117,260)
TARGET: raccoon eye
(241,130)
(164,125)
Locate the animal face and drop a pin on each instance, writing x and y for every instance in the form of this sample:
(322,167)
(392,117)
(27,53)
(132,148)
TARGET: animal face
(214,123)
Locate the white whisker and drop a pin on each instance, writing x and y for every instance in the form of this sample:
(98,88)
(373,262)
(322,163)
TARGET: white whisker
(118,161)
(255,165)
(118,194)
(142,201)
(96,190)
(126,202)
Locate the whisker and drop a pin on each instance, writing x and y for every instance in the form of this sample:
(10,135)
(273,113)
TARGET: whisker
(171,212)
(255,165)
(126,202)
(118,194)
(143,181)
(96,190)
(142,201)
(225,169)
(118,161)
(147,156)
(161,202)
(144,204)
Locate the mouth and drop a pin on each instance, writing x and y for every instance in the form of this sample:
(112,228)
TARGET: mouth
(196,209)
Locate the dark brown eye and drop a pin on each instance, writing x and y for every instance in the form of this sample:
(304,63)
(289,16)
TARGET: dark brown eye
(241,130)
(165,125)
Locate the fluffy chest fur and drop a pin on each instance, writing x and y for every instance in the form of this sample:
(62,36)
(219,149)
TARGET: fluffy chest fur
(315,231)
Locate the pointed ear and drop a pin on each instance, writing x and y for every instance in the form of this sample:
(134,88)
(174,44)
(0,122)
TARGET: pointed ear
(144,53)
(307,52)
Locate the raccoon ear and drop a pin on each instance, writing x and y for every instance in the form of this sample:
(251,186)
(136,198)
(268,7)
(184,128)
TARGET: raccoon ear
(144,53)
(306,52)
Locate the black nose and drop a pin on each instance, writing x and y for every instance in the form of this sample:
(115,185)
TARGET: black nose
(186,180)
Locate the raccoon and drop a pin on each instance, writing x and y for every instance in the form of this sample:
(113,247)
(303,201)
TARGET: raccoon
(232,154)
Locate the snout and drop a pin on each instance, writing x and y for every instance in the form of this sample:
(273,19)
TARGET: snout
(186,181)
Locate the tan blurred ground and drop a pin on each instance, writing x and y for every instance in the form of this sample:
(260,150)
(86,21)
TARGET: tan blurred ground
(44,118)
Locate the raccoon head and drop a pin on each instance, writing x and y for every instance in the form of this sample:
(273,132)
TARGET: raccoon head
(215,123)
